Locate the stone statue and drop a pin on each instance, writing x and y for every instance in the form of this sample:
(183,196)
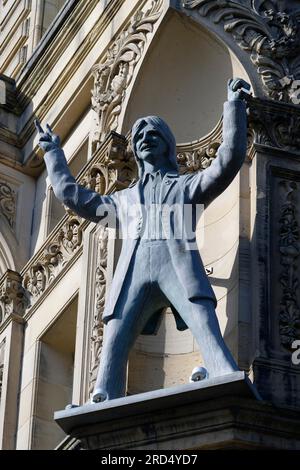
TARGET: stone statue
(156,271)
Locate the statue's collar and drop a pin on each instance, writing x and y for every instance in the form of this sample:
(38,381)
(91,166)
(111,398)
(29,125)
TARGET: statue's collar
(162,172)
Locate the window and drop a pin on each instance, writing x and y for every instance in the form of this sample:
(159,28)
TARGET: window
(51,8)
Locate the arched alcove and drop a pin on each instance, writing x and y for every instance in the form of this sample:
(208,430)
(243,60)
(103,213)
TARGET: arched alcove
(183,79)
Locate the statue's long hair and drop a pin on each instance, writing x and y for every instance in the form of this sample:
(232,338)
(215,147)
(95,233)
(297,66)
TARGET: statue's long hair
(162,127)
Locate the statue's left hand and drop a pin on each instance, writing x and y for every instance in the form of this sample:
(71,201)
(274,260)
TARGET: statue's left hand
(47,140)
(236,87)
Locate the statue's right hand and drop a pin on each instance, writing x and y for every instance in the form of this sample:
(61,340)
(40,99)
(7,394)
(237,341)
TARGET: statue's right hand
(47,140)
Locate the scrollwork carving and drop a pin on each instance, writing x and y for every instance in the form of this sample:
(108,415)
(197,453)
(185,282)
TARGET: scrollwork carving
(114,170)
(268,33)
(97,326)
(198,155)
(197,159)
(289,248)
(70,236)
(13,297)
(53,258)
(113,76)
(8,203)
(95,179)
(274,124)
(35,280)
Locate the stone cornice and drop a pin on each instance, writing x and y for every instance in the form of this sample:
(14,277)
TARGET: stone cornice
(275,126)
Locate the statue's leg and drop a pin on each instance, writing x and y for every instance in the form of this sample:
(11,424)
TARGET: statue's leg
(201,318)
(138,301)
(119,336)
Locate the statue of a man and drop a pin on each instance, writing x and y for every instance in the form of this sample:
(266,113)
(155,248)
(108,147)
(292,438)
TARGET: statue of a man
(156,271)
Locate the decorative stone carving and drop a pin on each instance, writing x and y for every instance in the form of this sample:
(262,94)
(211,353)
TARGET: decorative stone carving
(274,124)
(114,170)
(35,280)
(55,255)
(114,74)
(70,236)
(198,155)
(269,33)
(13,297)
(289,248)
(8,202)
(95,179)
(97,327)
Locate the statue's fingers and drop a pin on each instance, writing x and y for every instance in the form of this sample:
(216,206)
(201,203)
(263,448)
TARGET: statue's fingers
(44,137)
(240,83)
(48,129)
(56,139)
(38,126)
(246,85)
(236,84)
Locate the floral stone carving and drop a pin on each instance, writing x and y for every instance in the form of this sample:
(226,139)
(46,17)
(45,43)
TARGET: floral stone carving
(269,33)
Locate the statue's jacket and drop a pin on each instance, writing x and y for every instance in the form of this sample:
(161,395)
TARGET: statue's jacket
(179,190)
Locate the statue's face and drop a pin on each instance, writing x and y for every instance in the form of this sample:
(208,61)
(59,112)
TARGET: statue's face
(150,145)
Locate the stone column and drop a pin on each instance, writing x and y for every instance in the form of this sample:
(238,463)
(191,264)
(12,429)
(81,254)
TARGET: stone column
(275,250)
(13,302)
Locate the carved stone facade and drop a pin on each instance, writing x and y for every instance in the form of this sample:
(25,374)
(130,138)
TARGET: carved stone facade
(97,324)
(115,73)
(8,200)
(289,248)
(56,254)
(275,125)
(269,32)
(198,155)
(252,246)
(13,297)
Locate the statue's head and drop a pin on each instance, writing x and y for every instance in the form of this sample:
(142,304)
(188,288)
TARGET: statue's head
(153,141)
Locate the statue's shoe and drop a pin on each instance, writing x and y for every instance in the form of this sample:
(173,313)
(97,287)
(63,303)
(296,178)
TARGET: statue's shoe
(199,373)
(99,395)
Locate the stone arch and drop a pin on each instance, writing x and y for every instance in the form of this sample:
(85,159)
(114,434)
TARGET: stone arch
(195,71)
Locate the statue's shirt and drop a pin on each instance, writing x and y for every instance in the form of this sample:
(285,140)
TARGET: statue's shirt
(152,208)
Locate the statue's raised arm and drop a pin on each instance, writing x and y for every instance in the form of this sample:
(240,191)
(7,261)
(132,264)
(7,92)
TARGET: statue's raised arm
(84,202)
(205,186)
